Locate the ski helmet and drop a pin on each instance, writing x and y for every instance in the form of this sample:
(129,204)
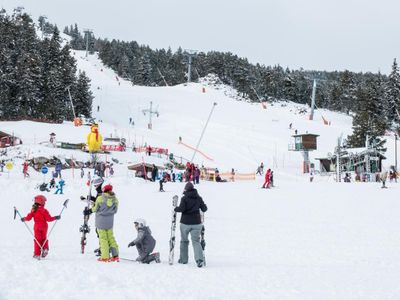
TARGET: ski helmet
(40,199)
(97,181)
(140,223)
(107,188)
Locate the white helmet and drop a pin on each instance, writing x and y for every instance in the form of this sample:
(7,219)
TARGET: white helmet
(141,223)
(97,181)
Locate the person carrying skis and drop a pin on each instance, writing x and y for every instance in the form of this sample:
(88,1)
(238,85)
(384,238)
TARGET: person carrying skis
(97,183)
(144,243)
(267,179)
(190,206)
(40,216)
(105,207)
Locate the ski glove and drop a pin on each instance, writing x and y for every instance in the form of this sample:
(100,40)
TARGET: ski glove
(131,244)
(87,211)
(22,219)
(57,217)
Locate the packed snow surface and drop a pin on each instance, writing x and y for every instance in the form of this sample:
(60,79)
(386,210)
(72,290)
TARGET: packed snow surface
(298,240)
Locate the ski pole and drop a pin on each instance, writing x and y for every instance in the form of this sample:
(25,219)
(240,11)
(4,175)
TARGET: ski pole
(64,206)
(27,227)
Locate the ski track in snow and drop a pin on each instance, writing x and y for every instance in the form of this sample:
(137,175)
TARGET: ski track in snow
(300,240)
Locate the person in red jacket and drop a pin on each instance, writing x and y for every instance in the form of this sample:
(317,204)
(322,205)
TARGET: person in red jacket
(40,216)
(267,181)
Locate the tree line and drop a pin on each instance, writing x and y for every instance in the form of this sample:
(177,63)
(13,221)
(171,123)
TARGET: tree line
(372,99)
(36,71)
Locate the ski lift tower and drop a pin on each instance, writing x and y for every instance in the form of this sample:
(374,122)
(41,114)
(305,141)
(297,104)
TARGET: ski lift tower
(304,143)
(151,112)
(190,54)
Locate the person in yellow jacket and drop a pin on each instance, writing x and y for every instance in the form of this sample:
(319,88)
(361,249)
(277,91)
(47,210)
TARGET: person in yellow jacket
(94,139)
(105,207)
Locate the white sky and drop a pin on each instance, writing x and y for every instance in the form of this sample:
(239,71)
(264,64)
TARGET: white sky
(358,35)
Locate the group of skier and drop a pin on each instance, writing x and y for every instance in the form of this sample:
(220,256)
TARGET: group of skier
(104,206)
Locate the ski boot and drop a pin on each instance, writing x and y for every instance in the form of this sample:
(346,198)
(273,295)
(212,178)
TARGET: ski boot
(199,263)
(45,252)
(114,259)
(156,256)
(103,259)
(97,252)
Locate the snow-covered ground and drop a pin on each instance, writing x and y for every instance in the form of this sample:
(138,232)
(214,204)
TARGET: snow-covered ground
(299,240)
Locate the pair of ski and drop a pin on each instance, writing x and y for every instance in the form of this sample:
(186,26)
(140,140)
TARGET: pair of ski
(173,229)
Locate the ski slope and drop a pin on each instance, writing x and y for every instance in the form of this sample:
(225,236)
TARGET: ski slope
(299,240)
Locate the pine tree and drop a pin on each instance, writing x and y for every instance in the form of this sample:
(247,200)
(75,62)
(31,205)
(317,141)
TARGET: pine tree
(392,94)
(82,96)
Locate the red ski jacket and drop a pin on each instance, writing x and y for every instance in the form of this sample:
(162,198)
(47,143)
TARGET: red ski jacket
(41,216)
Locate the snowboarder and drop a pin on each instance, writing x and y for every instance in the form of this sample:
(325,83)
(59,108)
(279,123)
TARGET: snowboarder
(40,216)
(60,187)
(144,243)
(105,207)
(190,206)
(267,179)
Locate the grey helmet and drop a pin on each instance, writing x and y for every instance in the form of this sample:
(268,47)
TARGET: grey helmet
(97,181)
(141,223)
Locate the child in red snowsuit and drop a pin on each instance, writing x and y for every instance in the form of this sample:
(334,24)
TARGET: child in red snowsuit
(267,179)
(40,216)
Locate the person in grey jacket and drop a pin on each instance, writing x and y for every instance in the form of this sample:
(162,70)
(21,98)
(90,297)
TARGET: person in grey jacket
(144,243)
(190,206)
(105,207)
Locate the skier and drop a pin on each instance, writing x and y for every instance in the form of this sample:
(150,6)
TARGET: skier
(154,173)
(197,173)
(105,207)
(233,175)
(271,178)
(58,169)
(162,180)
(144,243)
(40,216)
(60,187)
(2,166)
(383,176)
(267,179)
(52,183)
(190,206)
(82,172)
(25,169)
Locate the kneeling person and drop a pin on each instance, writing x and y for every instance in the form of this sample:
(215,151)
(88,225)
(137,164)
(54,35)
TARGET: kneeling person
(144,243)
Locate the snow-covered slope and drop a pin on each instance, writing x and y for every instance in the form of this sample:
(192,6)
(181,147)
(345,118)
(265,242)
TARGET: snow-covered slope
(296,241)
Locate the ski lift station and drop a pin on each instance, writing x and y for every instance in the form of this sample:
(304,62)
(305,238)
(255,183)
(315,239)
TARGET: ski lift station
(304,143)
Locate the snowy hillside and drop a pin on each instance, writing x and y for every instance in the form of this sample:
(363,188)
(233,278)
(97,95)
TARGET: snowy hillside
(299,240)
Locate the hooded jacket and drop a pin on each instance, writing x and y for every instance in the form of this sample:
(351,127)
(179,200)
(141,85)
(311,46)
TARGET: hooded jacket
(145,239)
(106,207)
(190,206)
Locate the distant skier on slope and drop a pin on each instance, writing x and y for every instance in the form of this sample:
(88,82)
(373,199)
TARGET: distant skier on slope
(190,206)
(40,216)
(267,181)
(144,243)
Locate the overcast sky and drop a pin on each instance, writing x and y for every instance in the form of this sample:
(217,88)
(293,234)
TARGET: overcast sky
(358,35)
